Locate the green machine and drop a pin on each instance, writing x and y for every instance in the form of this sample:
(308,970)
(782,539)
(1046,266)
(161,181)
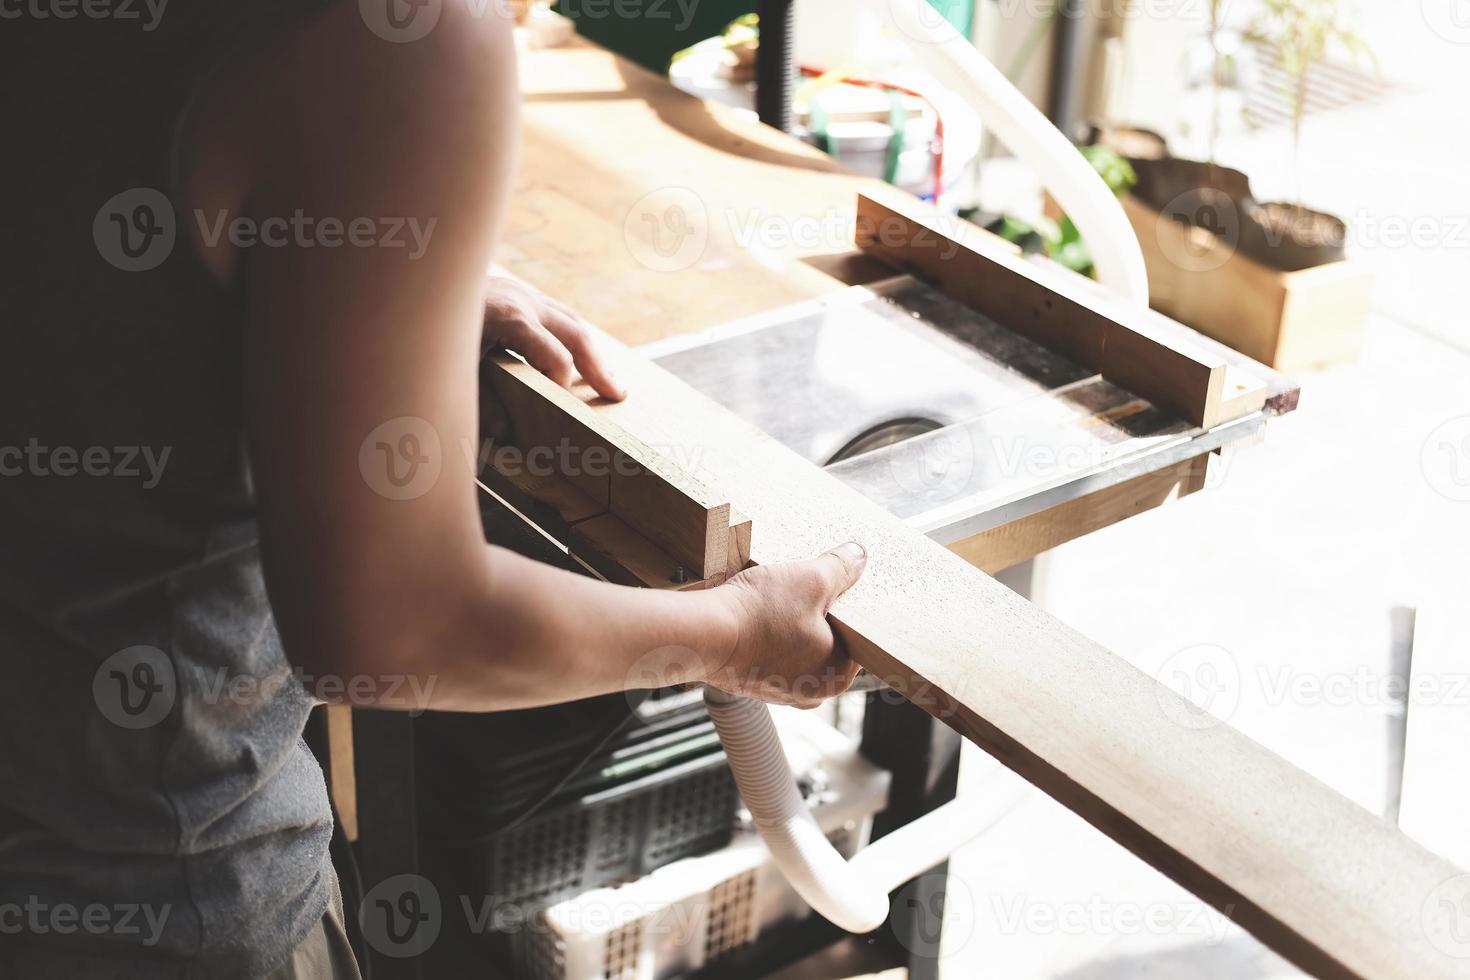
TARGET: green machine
(650,31)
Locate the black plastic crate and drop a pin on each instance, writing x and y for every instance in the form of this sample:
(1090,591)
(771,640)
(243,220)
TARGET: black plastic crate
(525,809)
(612,835)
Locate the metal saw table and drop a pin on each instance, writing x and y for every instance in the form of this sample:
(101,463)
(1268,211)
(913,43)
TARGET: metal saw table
(945,417)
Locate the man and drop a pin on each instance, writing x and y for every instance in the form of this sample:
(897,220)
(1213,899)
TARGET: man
(212,329)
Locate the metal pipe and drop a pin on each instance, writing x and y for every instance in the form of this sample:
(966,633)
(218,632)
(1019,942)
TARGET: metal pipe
(775,63)
(1066,53)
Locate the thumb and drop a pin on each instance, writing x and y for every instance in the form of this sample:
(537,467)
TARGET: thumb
(842,574)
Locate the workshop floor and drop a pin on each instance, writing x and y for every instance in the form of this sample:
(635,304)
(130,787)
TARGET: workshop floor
(1291,575)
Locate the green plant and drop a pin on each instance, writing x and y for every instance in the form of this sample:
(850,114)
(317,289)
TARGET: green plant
(743,31)
(1061,241)
(1303,33)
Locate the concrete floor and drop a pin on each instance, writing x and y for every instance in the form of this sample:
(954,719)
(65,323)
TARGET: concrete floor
(1292,573)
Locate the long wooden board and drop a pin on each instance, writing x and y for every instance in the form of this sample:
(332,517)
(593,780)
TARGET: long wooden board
(1331,887)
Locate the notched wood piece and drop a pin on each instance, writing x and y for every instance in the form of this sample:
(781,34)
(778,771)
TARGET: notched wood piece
(613,549)
(674,510)
(640,484)
(1138,357)
(547,431)
(551,502)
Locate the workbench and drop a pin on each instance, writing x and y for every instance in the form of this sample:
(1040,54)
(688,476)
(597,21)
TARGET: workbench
(659,217)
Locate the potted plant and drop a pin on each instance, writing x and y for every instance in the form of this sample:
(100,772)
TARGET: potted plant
(1303,32)
(1271,279)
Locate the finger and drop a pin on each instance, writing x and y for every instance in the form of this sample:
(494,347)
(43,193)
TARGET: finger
(577,339)
(841,574)
(545,353)
(562,308)
(508,316)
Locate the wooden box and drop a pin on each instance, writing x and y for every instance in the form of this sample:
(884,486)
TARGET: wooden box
(1289,320)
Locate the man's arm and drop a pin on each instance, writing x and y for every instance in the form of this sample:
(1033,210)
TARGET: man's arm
(360,348)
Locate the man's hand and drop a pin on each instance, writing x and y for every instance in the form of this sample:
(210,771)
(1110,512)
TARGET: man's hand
(547,333)
(785,651)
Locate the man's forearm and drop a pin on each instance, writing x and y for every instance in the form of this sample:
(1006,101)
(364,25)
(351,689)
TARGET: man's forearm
(522,634)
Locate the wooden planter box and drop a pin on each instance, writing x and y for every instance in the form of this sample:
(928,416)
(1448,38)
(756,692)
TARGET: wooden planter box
(1289,320)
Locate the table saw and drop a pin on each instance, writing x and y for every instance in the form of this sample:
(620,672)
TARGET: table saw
(999,416)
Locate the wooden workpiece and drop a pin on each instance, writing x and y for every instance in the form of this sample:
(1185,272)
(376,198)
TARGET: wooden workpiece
(628,512)
(614,472)
(1329,886)
(1057,309)
(601,542)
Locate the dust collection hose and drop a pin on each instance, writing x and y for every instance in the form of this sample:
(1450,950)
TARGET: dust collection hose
(1082,194)
(854,894)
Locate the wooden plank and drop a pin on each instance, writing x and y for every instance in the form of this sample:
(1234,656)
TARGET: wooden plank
(555,446)
(388,822)
(1127,346)
(1331,887)
(1434,806)
(601,540)
(1165,294)
(341,772)
(1010,544)
(626,477)
(675,510)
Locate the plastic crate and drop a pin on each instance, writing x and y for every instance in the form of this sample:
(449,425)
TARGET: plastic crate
(613,834)
(690,913)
